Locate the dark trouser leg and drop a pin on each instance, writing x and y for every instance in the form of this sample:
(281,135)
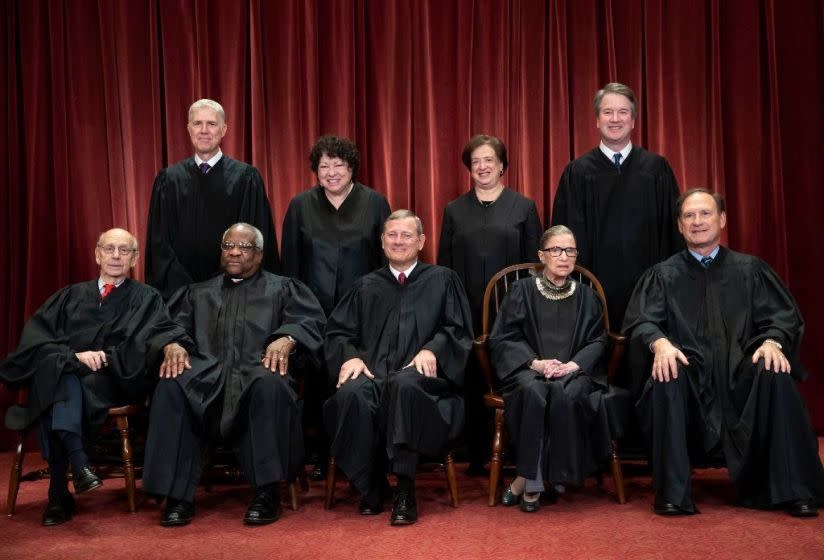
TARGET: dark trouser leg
(172,466)
(667,416)
(270,444)
(568,452)
(61,439)
(781,463)
(525,398)
(350,416)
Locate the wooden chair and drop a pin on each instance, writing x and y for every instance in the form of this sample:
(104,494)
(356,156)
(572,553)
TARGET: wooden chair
(448,466)
(119,416)
(496,289)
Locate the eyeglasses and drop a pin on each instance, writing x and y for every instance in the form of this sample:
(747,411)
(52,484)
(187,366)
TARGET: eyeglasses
(124,250)
(556,251)
(244,248)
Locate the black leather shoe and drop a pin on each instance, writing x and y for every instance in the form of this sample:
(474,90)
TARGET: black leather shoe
(666,508)
(58,510)
(265,508)
(802,508)
(368,508)
(405,510)
(84,480)
(510,498)
(177,514)
(531,507)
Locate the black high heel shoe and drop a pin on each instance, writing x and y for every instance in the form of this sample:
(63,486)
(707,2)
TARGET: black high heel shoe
(510,498)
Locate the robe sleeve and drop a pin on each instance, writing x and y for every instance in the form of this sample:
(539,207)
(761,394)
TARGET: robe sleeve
(127,359)
(532,235)
(775,316)
(301,318)
(257,212)
(445,242)
(592,343)
(452,342)
(291,241)
(343,332)
(670,238)
(566,211)
(162,268)
(172,326)
(508,347)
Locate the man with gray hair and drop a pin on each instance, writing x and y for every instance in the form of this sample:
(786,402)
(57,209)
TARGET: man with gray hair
(225,374)
(82,352)
(194,200)
(618,200)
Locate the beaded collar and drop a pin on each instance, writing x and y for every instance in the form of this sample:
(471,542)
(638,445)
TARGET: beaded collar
(553,292)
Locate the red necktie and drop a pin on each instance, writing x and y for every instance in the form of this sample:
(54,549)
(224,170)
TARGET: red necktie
(107,289)
(402,278)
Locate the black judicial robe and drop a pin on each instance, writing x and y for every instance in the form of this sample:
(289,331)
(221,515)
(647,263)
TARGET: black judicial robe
(189,212)
(624,222)
(328,248)
(575,436)
(76,320)
(477,240)
(718,318)
(226,327)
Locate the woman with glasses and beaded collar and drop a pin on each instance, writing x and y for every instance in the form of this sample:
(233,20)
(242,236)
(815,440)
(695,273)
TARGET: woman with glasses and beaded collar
(547,348)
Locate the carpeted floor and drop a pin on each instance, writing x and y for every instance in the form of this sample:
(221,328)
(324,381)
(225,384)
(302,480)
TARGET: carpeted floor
(584,523)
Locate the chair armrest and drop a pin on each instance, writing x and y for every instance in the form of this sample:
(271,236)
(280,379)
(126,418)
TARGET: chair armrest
(482,354)
(616,355)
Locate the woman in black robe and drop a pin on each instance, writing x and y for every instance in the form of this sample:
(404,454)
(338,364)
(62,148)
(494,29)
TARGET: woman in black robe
(547,349)
(331,237)
(483,231)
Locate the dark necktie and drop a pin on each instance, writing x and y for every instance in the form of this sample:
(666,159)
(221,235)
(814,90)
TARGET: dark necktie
(617,158)
(107,289)
(402,278)
(706,262)
(205,167)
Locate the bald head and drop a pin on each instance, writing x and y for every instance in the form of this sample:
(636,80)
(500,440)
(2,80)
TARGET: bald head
(116,253)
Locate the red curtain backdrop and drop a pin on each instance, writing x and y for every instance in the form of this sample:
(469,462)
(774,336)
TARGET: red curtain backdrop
(96,94)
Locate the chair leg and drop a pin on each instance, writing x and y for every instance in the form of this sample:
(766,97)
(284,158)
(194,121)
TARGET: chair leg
(304,480)
(294,495)
(330,483)
(617,475)
(16,473)
(451,480)
(497,457)
(128,466)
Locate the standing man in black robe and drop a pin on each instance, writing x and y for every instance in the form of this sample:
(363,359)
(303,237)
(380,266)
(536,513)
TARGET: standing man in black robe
(195,200)
(723,335)
(396,344)
(618,200)
(81,353)
(225,375)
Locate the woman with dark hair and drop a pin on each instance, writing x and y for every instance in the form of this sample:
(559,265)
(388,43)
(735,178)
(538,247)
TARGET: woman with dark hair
(547,349)
(483,231)
(331,237)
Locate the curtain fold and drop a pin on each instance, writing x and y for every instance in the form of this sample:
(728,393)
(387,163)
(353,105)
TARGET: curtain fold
(96,94)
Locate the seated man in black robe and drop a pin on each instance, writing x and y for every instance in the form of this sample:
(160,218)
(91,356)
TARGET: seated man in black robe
(81,353)
(197,199)
(396,344)
(723,334)
(225,377)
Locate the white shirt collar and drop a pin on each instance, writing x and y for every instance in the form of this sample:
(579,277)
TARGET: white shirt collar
(101,283)
(699,257)
(214,159)
(610,153)
(408,271)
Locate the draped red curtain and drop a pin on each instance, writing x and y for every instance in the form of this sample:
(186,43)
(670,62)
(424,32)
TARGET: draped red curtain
(96,93)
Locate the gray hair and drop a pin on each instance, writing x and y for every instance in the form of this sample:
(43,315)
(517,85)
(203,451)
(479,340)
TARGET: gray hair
(133,238)
(402,215)
(553,231)
(244,225)
(208,104)
(620,89)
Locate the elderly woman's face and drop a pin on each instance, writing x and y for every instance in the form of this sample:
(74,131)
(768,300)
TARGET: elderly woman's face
(557,268)
(334,174)
(486,168)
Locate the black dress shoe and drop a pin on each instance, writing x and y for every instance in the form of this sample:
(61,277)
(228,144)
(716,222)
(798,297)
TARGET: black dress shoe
(265,507)
(84,480)
(802,508)
(666,508)
(177,514)
(531,507)
(58,510)
(405,510)
(368,507)
(510,498)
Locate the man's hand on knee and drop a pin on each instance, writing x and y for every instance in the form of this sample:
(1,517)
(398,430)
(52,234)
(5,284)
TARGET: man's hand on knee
(425,363)
(277,353)
(93,359)
(665,362)
(774,358)
(351,369)
(175,360)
